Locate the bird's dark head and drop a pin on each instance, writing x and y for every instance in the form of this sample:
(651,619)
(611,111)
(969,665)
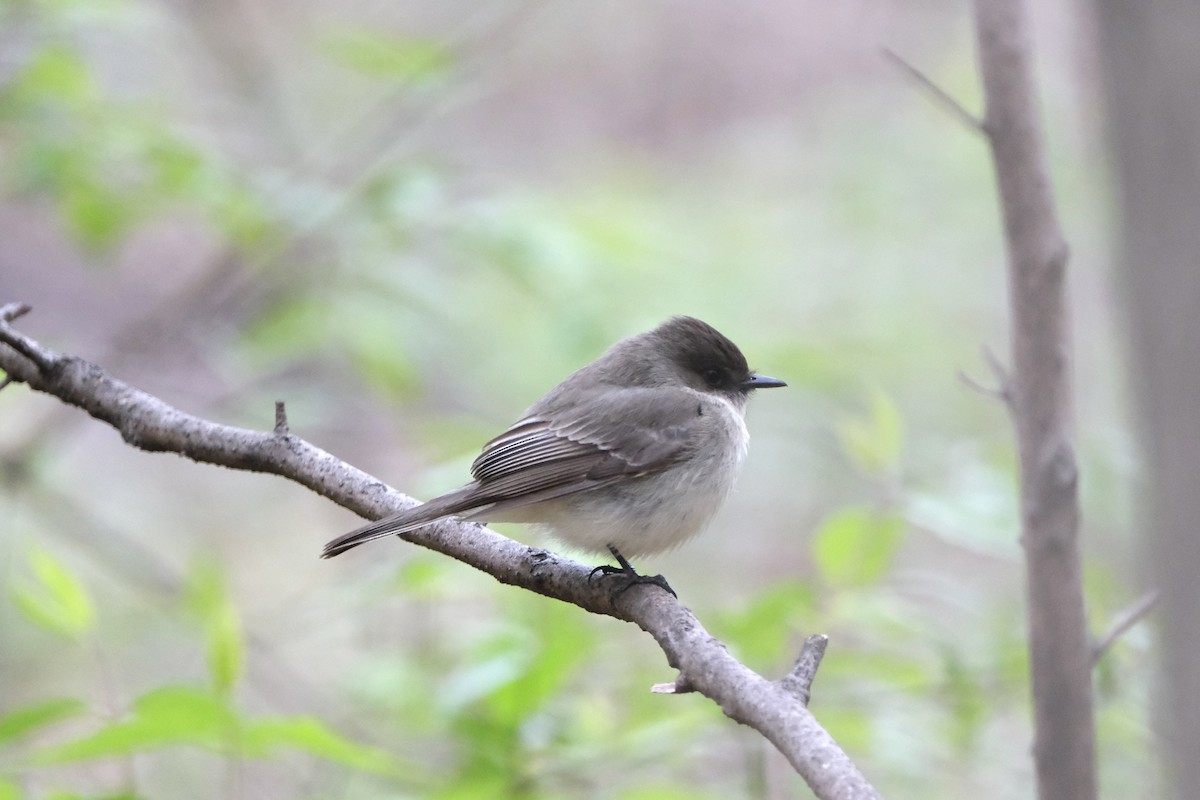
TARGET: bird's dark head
(706,360)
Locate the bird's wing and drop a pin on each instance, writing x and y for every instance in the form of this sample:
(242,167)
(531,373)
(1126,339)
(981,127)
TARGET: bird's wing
(617,434)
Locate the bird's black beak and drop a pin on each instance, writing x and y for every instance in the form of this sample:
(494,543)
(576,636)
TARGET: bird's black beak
(762,382)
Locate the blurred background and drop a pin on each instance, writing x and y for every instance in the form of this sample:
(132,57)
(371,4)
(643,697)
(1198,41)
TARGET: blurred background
(409,220)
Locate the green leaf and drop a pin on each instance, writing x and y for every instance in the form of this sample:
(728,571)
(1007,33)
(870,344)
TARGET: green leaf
(175,166)
(850,727)
(57,72)
(874,442)
(226,652)
(224,642)
(966,702)
(9,791)
(561,645)
(514,672)
(855,545)
(487,673)
(183,715)
(58,601)
(310,735)
(27,719)
(168,715)
(387,56)
(424,577)
(292,324)
(98,215)
(761,631)
(241,216)
(378,353)
(900,669)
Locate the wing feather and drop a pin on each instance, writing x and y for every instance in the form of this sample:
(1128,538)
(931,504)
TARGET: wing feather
(616,434)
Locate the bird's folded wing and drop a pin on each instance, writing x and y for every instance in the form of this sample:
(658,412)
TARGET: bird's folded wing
(619,434)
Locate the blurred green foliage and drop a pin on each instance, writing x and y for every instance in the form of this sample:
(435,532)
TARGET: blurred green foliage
(409,296)
(387,56)
(168,715)
(56,601)
(854,547)
(209,602)
(107,165)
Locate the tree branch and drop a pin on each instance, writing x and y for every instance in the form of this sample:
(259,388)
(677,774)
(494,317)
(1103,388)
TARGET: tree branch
(1040,401)
(773,708)
(1124,621)
(1001,391)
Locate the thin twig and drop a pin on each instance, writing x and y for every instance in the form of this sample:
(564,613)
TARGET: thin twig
(986,391)
(940,95)
(999,371)
(43,358)
(1002,390)
(1123,622)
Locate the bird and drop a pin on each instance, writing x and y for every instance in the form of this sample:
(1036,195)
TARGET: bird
(632,454)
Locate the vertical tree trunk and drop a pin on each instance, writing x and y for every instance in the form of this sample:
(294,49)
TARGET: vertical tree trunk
(1040,399)
(1150,51)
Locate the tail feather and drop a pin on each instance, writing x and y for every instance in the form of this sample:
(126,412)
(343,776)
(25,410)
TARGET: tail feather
(410,518)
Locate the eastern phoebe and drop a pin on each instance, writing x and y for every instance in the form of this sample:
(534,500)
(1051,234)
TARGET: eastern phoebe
(634,453)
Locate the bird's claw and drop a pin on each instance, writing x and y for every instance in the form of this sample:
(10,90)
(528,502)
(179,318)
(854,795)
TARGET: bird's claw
(627,576)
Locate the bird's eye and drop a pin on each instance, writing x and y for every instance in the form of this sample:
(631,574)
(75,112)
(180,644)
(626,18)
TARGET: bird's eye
(714,378)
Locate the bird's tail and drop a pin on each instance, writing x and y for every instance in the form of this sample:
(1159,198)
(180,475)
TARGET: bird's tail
(445,506)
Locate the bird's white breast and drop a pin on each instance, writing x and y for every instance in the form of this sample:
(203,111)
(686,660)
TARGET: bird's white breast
(662,510)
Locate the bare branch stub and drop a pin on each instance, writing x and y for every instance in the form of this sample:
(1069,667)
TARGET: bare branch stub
(681,685)
(281,420)
(799,681)
(14,311)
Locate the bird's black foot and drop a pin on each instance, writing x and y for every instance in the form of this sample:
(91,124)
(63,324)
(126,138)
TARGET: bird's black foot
(627,576)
